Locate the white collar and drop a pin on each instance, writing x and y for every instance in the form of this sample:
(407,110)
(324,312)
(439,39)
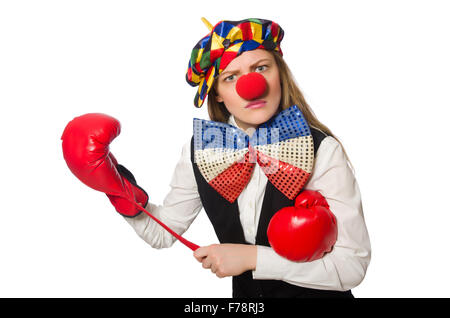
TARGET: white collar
(232,122)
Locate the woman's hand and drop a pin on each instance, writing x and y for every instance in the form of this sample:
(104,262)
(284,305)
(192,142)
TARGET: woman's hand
(227,259)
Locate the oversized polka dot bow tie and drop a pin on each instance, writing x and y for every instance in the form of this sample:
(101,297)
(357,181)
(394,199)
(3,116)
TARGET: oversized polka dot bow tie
(283,147)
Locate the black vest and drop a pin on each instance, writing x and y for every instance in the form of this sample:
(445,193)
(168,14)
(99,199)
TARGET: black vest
(224,217)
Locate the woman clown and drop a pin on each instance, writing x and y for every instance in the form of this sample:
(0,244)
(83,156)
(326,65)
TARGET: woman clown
(273,180)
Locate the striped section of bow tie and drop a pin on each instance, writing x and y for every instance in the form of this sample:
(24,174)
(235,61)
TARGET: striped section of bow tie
(283,147)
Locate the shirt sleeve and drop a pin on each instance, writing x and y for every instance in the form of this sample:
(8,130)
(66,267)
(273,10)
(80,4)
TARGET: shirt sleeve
(345,266)
(179,209)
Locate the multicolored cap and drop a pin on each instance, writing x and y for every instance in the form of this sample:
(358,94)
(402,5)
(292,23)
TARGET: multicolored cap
(226,41)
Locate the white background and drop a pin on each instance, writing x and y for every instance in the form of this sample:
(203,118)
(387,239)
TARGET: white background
(375,72)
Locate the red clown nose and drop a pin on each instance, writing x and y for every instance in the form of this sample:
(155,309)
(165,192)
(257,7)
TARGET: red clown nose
(251,86)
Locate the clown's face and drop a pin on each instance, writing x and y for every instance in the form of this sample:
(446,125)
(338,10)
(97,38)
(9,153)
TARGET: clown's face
(265,105)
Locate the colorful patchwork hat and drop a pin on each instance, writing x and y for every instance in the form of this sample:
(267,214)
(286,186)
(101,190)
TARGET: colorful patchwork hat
(227,40)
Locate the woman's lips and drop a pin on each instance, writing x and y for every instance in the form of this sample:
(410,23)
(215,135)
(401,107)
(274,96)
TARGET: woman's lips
(256,104)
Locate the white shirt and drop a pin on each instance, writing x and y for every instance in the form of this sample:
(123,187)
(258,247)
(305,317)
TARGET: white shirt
(341,269)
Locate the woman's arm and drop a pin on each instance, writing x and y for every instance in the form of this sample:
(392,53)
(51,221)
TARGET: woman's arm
(345,266)
(227,259)
(180,207)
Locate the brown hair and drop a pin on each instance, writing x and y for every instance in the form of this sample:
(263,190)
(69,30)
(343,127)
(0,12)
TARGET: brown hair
(290,95)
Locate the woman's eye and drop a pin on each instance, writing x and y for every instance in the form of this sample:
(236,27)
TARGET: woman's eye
(261,68)
(229,78)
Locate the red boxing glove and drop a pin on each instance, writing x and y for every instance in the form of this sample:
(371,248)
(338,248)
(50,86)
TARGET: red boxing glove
(303,232)
(85,146)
